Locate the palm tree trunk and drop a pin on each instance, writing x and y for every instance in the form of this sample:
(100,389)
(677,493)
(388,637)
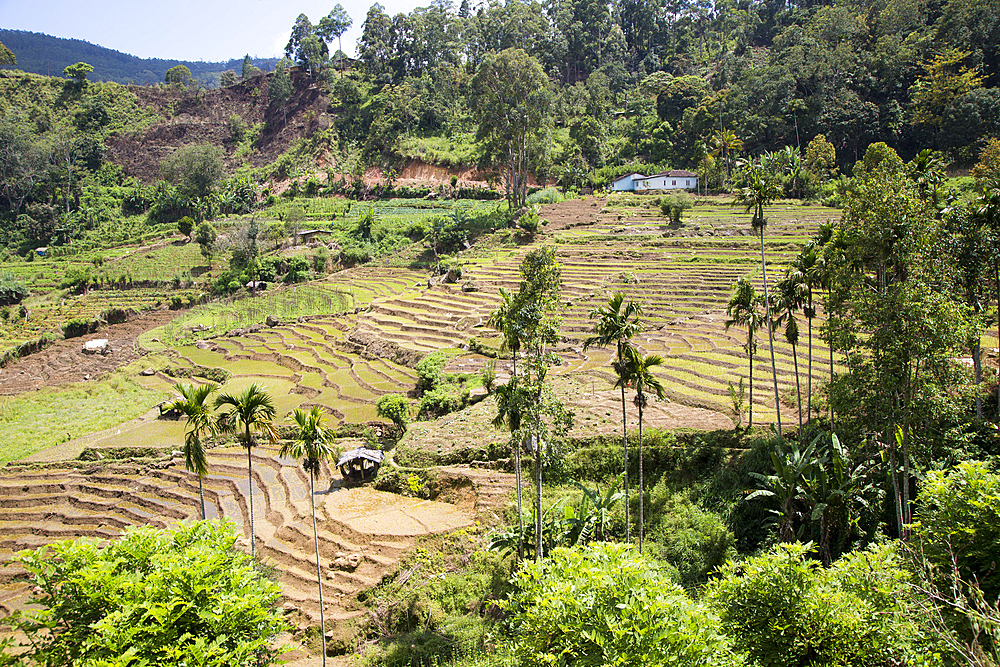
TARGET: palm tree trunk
(829,325)
(798,385)
(750,353)
(641,494)
(319,572)
(625,448)
(809,380)
(895,487)
(201,496)
(253,539)
(996,269)
(770,333)
(977,363)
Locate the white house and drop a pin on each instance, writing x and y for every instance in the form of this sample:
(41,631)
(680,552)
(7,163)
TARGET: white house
(627,182)
(675,179)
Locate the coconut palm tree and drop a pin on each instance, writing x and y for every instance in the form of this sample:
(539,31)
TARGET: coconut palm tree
(761,190)
(250,413)
(616,324)
(193,404)
(504,320)
(313,444)
(744,311)
(640,375)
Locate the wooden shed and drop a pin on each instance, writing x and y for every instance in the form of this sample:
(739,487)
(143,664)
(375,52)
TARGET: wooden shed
(360,465)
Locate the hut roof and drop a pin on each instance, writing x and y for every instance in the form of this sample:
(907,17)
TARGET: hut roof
(372,455)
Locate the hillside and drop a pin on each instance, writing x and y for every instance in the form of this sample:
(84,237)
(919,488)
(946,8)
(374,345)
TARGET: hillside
(47,55)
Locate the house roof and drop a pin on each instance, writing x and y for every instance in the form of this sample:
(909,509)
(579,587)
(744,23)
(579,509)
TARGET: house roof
(309,232)
(676,173)
(633,174)
(372,455)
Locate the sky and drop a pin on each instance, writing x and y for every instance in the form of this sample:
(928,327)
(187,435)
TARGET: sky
(209,30)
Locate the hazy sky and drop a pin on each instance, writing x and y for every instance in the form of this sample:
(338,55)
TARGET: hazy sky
(210,30)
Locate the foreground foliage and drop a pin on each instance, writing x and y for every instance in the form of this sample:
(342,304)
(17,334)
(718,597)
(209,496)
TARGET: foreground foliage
(153,597)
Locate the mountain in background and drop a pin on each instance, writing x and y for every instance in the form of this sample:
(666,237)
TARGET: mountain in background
(44,54)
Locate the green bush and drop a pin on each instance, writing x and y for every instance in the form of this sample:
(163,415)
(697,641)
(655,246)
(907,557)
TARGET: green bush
(442,400)
(785,610)
(959,513)
(429,370)
(692,539)
(152,597)
(12,290)
(115,315)
(545,196)
(606,605)
(395,408)
(673,206)
(79,327)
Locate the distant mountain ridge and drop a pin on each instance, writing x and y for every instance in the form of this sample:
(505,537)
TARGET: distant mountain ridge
(44,54)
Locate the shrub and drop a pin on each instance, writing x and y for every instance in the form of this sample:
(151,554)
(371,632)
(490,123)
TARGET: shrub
(546,196)
(429,370)
(115,315)
(442,400)
(673,206)
(606,605)
(694,540)
(960,514)
(181,596)
(185,225)
(489,374)
(395,408)
(12,290)
(79,327)
(785,610)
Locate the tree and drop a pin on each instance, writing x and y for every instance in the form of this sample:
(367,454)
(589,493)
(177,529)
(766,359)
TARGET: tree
(248,414)
(205,237)
(228,78)
(195,169)
(504,320)
(396,409)
(78,73)
(512,102)
(743,310)
(944,79)
(761,190)
(280,89)
(639,371)
(617,323)
(24,160)
(335,24)
(181,596)
(313,444)
(306,47)
(788,296)
(7,56)
(193,404)
(179,75)
(185,226)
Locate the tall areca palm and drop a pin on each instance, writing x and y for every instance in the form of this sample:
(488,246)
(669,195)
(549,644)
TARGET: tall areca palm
(986,208)
(788,297)
(744,311)
(616,324)
(761,190)
(809,272)
(250,413)
(193,404)
(313,444)
(505,320)
(640,375)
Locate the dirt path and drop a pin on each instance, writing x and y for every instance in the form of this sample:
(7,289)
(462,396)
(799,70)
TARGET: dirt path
(64,361)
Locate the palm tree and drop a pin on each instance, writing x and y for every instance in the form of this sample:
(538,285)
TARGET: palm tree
(789,297)
(193,404)
(744,311)
(250,412)
(759,193)
(312,444)
(986,209)
(724,144)
(809,272)
(640,374)
(616,324)
(504,320)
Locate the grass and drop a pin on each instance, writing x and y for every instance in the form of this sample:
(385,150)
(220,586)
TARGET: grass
(48,417)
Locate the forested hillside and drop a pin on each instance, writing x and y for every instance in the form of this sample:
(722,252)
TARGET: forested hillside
(47,55)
